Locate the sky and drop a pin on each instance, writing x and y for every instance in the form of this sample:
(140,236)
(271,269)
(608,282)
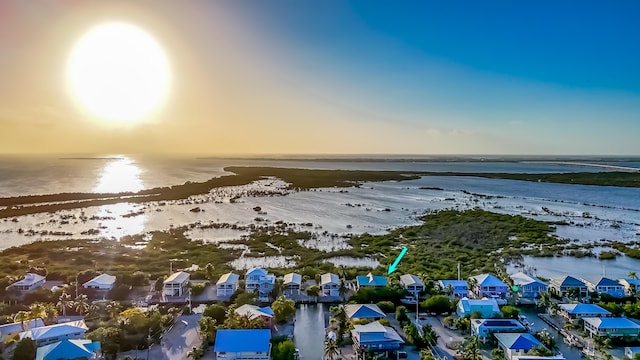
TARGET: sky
(339,77)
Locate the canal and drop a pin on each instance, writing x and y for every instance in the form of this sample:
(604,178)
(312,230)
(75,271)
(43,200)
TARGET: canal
(309,332)
(570,353)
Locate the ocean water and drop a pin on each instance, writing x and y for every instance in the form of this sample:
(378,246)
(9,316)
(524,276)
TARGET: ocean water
(593,212)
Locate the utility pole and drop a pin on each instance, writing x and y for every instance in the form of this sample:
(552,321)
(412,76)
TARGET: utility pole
(458,270)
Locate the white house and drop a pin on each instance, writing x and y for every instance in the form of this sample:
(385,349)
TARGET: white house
(490,286)
(53,333)
(459,288)
(227,284)
(292,283)
(528,286)
(102,282)
(177,284)
(261,281)
(253,312)
(30,282)
(612,327)
(245,344)
(330,284)
(412,284)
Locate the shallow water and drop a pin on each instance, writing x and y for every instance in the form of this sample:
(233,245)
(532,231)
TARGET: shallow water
(309,331)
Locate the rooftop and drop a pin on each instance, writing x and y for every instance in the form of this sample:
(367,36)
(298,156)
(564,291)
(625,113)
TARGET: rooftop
(252,340)
(292,278)
(517,341)
(68,349)
(257,271)
(521,279)
(363,311)
(371,280)
(607,282)
(375,327)
(568,281)
(102,279)
(467,304)
(29,279)
(488,280)
(17,327)
(253,311)
(583,309)
(47,332)
(497,323)
(228,278)
(612,323)
(410,280)
(178,277)
(454,283)
(329,278)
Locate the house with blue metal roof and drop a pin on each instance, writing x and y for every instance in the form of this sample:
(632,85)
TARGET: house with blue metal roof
(363,311)
(458,288)
(53,333)
(375,337)
(488,308)
(69,350)
(412,284)
(243,344)
(630,352)
(487,285)
(370,280)
(613,327)
(485,327)
(607,286)
(631,286)
(254,312)
(562,284)
(518,346)
(528,286)
(579,311)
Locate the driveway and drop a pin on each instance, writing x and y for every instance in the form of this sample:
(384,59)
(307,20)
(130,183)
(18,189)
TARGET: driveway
(176,343)
(444,336)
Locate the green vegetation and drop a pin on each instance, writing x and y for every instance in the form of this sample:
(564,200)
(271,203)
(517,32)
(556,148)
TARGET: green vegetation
(284,309)
(438,304)
(25,350)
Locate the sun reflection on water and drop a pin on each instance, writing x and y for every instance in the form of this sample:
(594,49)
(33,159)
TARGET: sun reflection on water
(120,175)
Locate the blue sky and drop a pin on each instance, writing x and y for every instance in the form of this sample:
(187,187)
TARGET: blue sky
(465,77)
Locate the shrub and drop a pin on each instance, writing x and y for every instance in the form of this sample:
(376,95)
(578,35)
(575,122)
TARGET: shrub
(386,306)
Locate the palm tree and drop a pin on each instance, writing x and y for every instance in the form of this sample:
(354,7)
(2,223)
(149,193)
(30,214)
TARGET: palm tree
(473,284)
(342,289)
(81,304)
(331,349)
(208,327)
(472,349)
(50,312)
(196,353)
(429,335)
(113,308)
(37,311)
(632,275)
(93,312)
(65,302)
(22,317)
(208,269)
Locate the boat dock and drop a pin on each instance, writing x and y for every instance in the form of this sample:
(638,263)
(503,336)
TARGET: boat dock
(569,338)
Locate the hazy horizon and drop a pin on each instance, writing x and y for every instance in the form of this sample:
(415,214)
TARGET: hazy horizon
(290,77)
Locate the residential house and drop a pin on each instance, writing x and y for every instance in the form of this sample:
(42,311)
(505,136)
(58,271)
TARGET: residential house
(562,284)
(612,327)
(488,308)
(485,327)
(489,286)
(375,337)
(579,311)
(176,284)
(631,352)
(53,333)
(528,286)
(518,346)
(227,284)
(28,283)
(260,280)
(69,350)
(7,331)
(243,344)
(252,312)
(330,284)
(102,282)
(412,284)
(458,288)
(631,286)
(607,286)
(363,311)
(370,280)
(292,283)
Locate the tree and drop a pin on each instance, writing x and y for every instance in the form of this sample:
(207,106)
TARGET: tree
(632,275)
(573,293)
(426,354)
(208,327)
(208,270)
(283,350)
(497,354)
(331,349)
(342,289)
(340,315)
(438,304)
(541,351)
(313,291)
(22,317)
(401,315)
(510,312)
(134,317)
(243,298)
(113,308)
(413,335)
(429,335)
(216,312)
(283,309)
(50,312)
(65,302)
(386,306)
(546,339)
(109,338)
(37,311)
(196,353)
(81,304)
(472,349)
(25,350)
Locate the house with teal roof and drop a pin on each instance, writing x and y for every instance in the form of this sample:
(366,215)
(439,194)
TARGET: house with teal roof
(370,280)
(488,308)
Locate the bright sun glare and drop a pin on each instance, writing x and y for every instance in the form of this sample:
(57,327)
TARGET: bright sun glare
(118,72)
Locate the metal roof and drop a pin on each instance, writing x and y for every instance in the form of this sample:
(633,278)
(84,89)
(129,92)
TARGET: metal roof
(364,280)
(454,283)
(584,309)
(363,311)
(102,279)
(329,278)
(29,279)
(68,349)
(292,278)
(522,279)
(608,282)
(228,278)
(242,340)
(611,323)
(517,341)
(410,280)
(178,277)
(57,330)
(488,280)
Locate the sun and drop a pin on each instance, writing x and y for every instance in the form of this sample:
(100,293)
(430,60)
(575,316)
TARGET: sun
(118,72)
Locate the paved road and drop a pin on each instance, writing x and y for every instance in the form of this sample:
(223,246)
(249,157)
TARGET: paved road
(176,343)
(444,336)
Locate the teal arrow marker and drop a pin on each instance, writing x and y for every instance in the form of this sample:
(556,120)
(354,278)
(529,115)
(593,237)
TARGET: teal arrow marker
(393,266)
